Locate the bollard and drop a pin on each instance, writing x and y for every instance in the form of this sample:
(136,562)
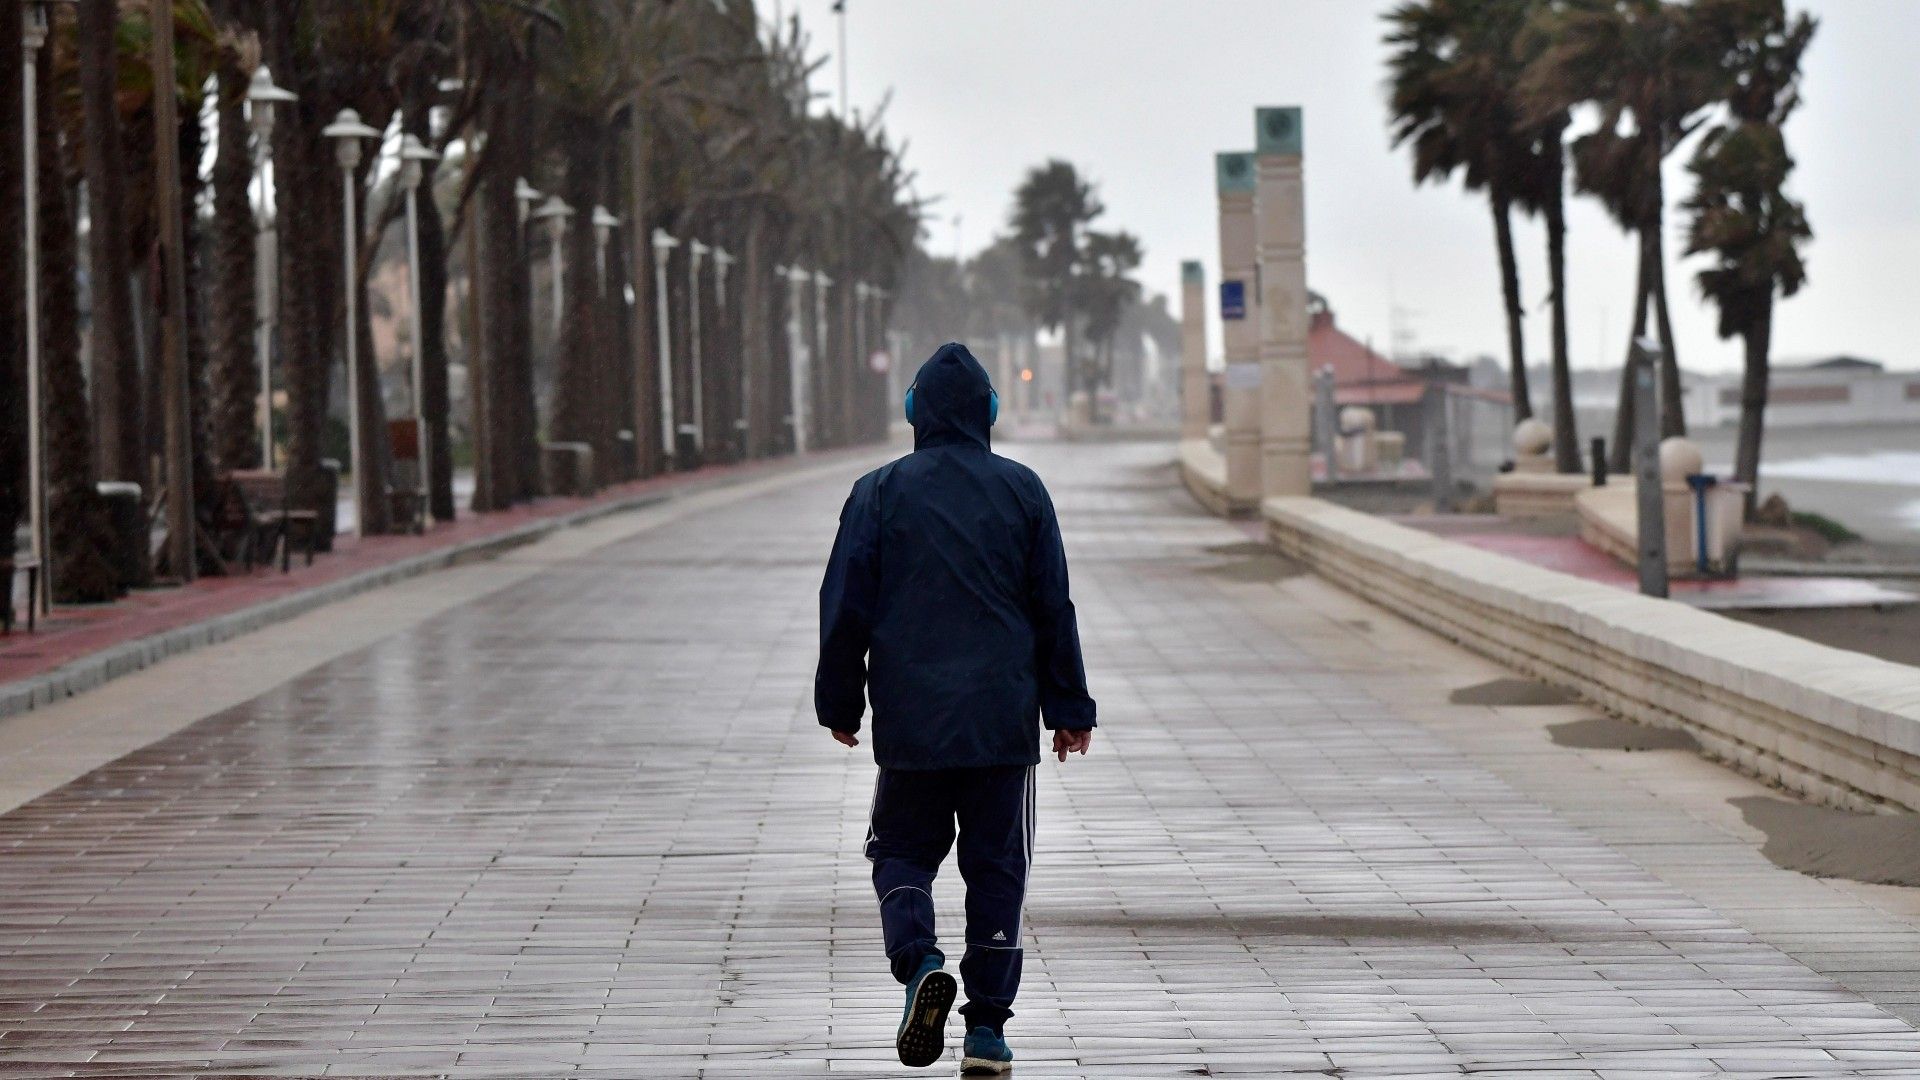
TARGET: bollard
(1646,470)
(1599,452)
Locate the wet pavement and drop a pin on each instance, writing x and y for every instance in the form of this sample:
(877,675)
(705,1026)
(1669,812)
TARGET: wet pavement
(584,824)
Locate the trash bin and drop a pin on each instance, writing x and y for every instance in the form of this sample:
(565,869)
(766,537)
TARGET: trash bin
(132,544)
(326,506)
(1719,517)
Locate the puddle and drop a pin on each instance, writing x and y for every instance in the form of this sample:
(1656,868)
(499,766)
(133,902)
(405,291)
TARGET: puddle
(1252,562)
(1611,733)
(1879,849)
(1512,692)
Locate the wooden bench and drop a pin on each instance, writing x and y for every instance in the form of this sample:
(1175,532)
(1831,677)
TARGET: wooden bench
(261,496)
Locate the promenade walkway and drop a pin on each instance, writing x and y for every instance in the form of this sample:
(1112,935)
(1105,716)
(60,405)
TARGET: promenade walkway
(567,813)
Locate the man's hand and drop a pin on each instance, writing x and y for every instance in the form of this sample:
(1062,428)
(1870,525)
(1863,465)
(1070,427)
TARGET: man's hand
(1065,742)
(845,738)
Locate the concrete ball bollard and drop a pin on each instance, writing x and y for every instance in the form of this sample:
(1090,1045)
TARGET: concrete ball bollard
(1532,438)
(1679,458)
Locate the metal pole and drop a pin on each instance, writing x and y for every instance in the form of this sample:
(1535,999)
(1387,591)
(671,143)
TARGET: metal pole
(1649,495)
(166,163)
(33,33)
(264,280)
(353,354)
(1440,443)
(419,375)
(796,359)
(697,427)
(559,280)
(660,250)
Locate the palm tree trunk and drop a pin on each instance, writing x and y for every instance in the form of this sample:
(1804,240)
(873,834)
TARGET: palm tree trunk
(77,529)
(235,376)
(1673,418)
(577,370)
(1753,403)
(1510,290)
(13,381)
(645,358)
(435,403)
(1566,436)
(1620,454)
(118,402)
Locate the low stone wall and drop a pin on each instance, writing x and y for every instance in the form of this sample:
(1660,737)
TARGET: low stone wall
(1537,495)
(1839,726)
(1204,472)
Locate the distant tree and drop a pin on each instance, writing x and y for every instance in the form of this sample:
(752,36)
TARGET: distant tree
(114,354)
(13,405)
(1742,216)
(1106,293)
(229,254)
(1051,211)
(1653,63)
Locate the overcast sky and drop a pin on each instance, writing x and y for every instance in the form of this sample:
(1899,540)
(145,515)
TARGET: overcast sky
(1140,93)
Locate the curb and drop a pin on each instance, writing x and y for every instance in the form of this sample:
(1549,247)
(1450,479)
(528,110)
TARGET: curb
(87,673)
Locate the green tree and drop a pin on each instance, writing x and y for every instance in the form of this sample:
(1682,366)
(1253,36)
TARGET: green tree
(1651,67)
(1052,209)
(1742,216)
(1451,100)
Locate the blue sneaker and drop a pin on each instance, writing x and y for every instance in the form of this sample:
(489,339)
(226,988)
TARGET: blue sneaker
(922,1037)
(986,1054)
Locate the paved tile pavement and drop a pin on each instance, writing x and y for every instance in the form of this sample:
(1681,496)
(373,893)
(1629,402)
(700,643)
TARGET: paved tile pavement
(584,825)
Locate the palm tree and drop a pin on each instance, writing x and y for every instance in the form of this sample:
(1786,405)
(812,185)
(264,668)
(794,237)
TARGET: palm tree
(230,275)
(115,357)
(1106,295)
(1651,69)
(77,529)
(1742,215)
(1051,210)
(1451,100)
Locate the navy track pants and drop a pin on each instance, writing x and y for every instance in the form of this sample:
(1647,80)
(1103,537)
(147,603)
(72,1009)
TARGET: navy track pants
(908,835)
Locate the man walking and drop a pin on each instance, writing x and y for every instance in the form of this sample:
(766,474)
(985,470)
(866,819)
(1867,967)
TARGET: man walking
(945,603)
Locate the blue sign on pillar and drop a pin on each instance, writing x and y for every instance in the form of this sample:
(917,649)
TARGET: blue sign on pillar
(1233,300)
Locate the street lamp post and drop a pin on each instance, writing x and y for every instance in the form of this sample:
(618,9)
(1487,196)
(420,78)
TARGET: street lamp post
(262,98)
(525,195)
(697,428)
(347,131)
(722,260)
(663,245)
(556,213)
(33,35)
(797,360)
(413,159)
(604,222)
(821,283)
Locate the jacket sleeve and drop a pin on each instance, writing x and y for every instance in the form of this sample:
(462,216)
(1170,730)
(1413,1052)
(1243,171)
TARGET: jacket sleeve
(1064,701)
(847,602)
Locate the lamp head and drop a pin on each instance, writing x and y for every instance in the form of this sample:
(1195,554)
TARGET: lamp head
(604,222)
(413,156)
(263,96)
(346,131)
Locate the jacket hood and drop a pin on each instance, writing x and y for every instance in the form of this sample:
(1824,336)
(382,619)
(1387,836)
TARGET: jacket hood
(950,404)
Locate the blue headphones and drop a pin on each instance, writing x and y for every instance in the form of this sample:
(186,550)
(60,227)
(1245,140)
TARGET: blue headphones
(993,404)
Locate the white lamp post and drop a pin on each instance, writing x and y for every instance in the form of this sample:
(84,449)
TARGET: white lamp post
(525,195)
(722,261)
(798,360)
(33,35)
(821,283)
(346,131)
(604,222)
(262,98)
(860,292)
(697,428)
(413,159)
(556,213)
(663,245)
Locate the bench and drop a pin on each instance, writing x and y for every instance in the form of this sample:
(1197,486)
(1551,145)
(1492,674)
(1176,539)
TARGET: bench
(260,508)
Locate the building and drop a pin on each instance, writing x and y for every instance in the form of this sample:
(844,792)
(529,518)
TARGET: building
(1839,391)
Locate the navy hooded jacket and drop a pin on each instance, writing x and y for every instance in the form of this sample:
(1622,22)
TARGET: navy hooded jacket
(945,599)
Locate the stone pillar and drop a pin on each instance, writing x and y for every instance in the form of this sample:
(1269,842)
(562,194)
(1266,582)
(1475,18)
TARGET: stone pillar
(1195,400)
(1239,305)
(1286,397)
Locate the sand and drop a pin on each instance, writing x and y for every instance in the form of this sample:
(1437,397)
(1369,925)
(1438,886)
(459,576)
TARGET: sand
(1879,849)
